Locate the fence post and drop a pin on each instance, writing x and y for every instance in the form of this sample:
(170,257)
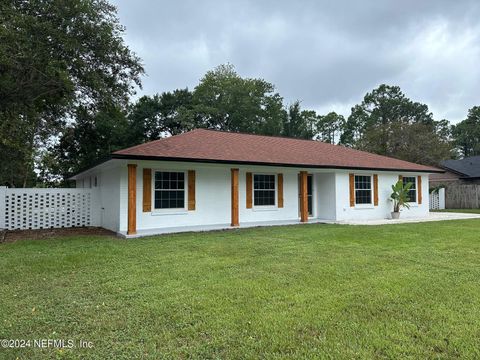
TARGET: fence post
(3,192)
(441,198)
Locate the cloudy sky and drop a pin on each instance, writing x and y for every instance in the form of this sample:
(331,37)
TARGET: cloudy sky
(327,54)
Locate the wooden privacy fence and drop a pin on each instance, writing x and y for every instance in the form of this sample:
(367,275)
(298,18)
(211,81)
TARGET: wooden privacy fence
(32,208)
(461,196)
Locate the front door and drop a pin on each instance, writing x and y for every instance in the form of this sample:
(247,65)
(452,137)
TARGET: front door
(309,194)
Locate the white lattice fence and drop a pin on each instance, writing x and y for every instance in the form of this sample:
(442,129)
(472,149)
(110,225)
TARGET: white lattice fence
(434,201)
(437,199)
(45,208)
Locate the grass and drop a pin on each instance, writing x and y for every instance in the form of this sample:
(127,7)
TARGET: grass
(307,291)
(468,211)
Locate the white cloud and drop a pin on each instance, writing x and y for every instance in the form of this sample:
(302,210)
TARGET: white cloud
(326,54)
(443,69)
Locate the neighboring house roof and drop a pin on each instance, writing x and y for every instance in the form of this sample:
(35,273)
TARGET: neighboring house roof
(468,167)
(203,145)
(447,176)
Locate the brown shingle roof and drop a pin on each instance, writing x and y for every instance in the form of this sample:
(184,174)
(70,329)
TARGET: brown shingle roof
(226,147)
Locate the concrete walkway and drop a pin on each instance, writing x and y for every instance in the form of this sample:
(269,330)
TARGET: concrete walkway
(433,216)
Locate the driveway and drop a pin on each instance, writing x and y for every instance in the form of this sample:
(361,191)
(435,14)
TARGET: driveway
(433,216)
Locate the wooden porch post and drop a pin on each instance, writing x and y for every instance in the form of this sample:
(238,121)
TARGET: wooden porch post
(132,199)
(303,197)
(234,210)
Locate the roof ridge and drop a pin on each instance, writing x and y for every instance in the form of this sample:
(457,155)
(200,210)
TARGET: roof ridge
(269,136)
(308,140)
(241,133)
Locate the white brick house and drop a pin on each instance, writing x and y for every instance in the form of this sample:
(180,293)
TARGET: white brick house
(208,179)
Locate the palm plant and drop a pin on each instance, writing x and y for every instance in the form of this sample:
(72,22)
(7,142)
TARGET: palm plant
(400,195)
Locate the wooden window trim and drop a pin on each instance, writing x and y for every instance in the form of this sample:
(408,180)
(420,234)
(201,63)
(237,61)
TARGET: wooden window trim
(147,190)
(249,189)
(280,190)
(419,189)
(234,198)
(191,190)
(351,180)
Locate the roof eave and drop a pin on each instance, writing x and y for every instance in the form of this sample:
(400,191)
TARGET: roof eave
(238,162)
(446,168)
(469,177)
(85,171)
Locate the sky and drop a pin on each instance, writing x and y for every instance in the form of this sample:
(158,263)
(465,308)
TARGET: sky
(327,54)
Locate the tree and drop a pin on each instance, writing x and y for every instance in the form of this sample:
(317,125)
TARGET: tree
(56,56)
(95,134)
(152,117)
(310,119)
(381,107)
(329,127)
(298,123)
(466,133)
(388,123)
(225,101)
(85,143)
(420,143)
(144,119)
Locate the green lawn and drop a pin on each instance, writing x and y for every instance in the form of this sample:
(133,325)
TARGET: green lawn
(468,211)
(324,291)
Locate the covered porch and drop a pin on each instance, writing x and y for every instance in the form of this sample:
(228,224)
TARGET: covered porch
(300,196)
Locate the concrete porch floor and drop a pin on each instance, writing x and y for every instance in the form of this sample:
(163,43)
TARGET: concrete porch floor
(433,216)
(172,230)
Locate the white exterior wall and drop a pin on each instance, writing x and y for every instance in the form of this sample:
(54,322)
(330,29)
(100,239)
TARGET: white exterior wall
(213,197)
(212,194)
(290,210)
(109,185)
(325,196)
(123,208)
(331,196)
(106,196)
(385,206)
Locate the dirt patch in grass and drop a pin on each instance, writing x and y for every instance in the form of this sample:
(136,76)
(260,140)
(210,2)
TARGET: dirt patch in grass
(40,234)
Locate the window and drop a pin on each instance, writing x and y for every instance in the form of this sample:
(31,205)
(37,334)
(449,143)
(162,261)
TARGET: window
(412,193)
(264,190)
(363,189)
(169,192)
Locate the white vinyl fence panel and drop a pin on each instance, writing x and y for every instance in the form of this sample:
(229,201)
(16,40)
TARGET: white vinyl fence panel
(434,201)
(34,208)
(437,199)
